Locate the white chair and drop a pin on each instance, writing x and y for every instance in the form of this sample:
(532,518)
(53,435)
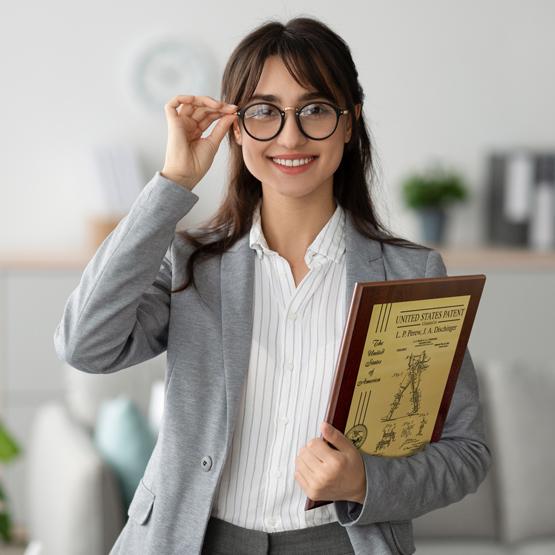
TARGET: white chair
(75,502)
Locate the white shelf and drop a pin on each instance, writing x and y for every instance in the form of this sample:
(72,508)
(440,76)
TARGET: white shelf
(497,258)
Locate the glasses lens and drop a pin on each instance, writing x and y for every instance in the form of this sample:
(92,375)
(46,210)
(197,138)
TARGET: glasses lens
(262,120)
(318,120)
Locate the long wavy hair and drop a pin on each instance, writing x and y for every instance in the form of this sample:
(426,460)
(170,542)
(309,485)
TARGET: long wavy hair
(316,57)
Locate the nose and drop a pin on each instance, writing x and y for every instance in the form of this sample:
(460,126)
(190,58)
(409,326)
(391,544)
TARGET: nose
(290,135)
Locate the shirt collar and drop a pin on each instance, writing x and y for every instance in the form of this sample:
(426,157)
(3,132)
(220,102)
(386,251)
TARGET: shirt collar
(328,244)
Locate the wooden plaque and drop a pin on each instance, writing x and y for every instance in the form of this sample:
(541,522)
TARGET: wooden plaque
(403,345)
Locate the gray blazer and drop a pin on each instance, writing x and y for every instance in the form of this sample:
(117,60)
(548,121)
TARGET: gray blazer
(122,313)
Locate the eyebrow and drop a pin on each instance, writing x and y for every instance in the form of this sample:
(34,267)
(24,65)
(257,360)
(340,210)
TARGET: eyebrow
(274,98)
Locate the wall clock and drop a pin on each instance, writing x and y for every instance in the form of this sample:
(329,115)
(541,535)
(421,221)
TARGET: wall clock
(170,66)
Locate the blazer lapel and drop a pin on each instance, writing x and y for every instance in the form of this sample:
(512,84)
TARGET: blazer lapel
(237,289)
(363,259)
(364,262)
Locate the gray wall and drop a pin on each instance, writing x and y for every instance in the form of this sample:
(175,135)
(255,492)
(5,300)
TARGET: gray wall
(442,78)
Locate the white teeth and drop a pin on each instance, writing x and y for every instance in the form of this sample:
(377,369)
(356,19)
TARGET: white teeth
(292,163)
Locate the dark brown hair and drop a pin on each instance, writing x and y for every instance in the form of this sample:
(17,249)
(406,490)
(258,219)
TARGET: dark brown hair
(316,57)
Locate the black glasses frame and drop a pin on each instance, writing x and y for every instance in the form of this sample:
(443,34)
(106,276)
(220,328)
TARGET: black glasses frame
(338,112)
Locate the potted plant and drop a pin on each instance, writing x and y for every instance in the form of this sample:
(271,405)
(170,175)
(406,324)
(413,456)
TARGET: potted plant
(430,192)
(9,450)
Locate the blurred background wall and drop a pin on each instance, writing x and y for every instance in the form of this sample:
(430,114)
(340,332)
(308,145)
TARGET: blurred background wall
(444,81)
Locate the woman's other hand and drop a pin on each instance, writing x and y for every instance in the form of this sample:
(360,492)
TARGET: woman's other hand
(325,473)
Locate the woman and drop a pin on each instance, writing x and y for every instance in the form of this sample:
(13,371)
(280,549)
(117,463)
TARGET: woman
(251,309)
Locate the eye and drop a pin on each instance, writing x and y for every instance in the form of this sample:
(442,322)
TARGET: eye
(316,109)
(261,111)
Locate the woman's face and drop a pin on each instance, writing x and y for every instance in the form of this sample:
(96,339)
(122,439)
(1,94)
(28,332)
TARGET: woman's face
(317,178)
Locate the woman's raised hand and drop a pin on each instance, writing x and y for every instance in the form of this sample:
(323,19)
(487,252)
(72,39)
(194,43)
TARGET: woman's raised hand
(188,155)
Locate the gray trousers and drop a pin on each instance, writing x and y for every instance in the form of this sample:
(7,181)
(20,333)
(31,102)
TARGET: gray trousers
(225,538)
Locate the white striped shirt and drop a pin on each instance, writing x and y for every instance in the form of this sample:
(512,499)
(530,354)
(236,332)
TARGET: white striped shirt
(296,337)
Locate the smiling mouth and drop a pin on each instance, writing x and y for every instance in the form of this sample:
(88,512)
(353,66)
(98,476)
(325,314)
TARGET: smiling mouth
(292,162)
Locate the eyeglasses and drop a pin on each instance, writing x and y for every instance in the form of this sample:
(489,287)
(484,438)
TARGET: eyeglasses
(264,121)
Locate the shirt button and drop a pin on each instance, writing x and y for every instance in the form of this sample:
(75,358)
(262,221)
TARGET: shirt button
(206,463)
(292,315)
(272,522)
(290,366)
(284,419)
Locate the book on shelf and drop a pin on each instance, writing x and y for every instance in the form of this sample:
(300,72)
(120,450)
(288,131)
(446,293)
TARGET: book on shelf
(402,347)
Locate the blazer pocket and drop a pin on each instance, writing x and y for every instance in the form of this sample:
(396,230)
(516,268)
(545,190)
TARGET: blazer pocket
(141,504)
(402,533)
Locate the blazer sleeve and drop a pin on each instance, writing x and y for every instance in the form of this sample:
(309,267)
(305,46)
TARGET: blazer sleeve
(118,315)
(403,488)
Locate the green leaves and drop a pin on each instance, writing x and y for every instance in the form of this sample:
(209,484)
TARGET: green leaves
(9,449)
(433,188)
(5,519)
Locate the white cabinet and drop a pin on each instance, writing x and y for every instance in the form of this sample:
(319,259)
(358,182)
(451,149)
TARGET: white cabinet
(35,301)
(514,318)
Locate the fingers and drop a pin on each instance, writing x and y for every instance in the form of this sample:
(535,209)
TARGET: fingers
(202,125)
(194,114)
(194,100)
(210,117)
(321,449)
(221,129)
(307,468)
(197,100)
(197,107)
(310,457)
(198,113)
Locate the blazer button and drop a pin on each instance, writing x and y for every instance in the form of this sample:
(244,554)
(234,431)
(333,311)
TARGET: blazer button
(206,463)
